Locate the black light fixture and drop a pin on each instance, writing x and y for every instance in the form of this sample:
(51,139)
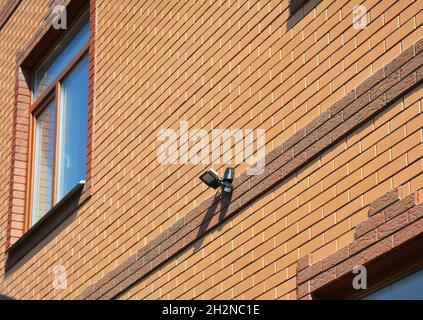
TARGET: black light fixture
(212,179)
(228,177)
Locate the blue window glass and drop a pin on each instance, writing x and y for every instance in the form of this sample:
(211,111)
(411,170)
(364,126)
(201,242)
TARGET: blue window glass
(408,288)
(73,128)
(61,56)
(44,161)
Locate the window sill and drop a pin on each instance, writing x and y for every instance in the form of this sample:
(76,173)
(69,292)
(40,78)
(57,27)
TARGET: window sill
(45,226)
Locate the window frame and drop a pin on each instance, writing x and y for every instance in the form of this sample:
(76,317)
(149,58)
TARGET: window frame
(36,106)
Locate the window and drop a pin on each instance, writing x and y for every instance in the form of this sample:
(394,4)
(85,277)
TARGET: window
(408,288)
(59,120)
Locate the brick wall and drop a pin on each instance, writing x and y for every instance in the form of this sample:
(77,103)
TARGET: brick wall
(239,64)
(255,254)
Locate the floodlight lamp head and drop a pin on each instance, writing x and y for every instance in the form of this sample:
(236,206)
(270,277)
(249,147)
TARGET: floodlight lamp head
(212,179)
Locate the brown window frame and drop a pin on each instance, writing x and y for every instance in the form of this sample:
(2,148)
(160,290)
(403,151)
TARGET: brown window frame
(53,91)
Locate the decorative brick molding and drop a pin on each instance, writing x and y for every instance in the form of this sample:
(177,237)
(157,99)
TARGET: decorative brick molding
(392,223)
(378,91)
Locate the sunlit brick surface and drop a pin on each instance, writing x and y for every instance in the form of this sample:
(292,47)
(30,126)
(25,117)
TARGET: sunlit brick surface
(220,64)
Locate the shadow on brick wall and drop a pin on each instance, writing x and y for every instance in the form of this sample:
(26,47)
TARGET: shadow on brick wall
(299,9)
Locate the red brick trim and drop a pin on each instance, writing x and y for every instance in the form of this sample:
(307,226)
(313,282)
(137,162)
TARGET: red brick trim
(393,223)
(7,10)
(18,175)
(374,94)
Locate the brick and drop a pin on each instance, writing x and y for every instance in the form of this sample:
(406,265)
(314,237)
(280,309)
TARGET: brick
(335,258)
(384,201)
(411,66)
(275,153)
(343,103)
(418,46)
(399,61)
(400,87)
(370,82)
(309,272)
(143,216)
(343,129)
(281,161)
(87,292)
(318,146)
(317,122)
(399,207)
(408,233)
(385,84)
(323,279)
(330,124)
(393,225)
(347,266)
(356,106)
(294,163)
(415,213)
(364,241)
(419,74)
(369,110)
(370,224)
(303,263)
(303,289)
(299,135)
(376,250)
(306,142)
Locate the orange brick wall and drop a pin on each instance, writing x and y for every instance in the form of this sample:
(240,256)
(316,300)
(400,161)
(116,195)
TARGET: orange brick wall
(255,254)
(220,64)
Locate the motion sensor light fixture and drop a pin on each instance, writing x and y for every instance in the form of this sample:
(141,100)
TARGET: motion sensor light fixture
(228,177)
(212,179)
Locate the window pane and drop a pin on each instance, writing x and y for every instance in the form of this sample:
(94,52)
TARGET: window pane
(57,61)
(44,159)
(73,121)
(408,288)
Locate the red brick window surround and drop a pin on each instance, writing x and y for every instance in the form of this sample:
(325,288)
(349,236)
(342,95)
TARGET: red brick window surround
(21,236)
